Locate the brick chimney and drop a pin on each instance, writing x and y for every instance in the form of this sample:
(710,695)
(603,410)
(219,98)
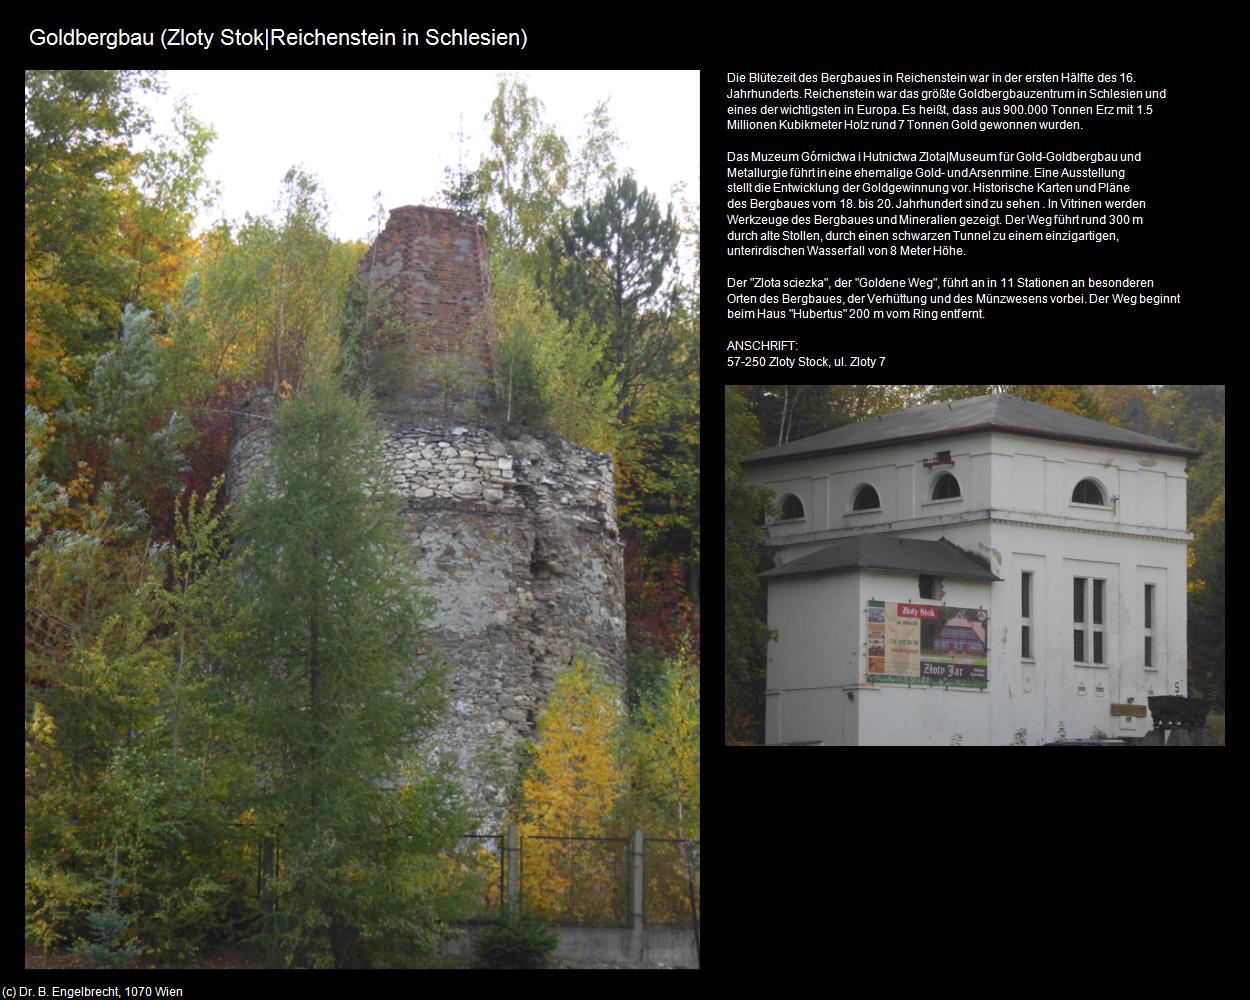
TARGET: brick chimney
(435,269)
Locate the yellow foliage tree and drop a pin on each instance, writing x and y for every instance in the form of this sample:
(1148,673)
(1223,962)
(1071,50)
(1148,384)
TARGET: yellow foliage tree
(570,794)
(1057,397)
(664,759)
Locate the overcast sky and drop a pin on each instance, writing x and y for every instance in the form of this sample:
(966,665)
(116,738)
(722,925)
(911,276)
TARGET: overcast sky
(395,131)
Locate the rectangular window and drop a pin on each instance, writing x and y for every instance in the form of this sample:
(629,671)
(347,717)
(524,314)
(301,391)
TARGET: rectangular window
(926,587)
(1087,616)
(1026,622)
(1150,615)
(1097,619)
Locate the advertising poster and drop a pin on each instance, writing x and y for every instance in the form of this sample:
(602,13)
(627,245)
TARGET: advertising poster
(924,644)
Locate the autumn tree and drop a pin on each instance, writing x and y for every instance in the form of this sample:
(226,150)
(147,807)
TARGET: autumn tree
(597,338)
(612,267)
(170,189)
(108,225)
(665,789)
(571,791)
(522,177)
(268,299)
(595,163)
(746,629)
(133,764)
(178,784)
(658,489)
(550,373)
(79,181)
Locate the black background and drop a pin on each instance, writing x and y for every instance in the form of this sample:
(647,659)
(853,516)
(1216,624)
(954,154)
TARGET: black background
(794,870)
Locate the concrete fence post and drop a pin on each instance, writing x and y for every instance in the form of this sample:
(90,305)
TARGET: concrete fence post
(636,882)
(513,855)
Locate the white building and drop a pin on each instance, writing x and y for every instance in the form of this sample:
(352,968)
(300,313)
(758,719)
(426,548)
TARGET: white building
(973,572)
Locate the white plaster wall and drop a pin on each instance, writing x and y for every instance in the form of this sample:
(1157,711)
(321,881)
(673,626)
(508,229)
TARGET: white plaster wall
(1028,491)
(1176,513)
(1004,472)
(1017,512)
(1035,695)
(896,472)
(1038,696)
(818,513)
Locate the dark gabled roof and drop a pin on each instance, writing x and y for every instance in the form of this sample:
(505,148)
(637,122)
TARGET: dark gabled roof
(967,416)
(892,554)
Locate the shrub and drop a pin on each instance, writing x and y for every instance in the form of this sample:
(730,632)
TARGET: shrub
(517,941)
(56,904)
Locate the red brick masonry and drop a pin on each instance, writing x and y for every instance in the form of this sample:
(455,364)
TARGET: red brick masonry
(435,265)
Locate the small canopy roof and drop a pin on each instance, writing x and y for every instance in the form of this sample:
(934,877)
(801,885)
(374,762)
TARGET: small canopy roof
(892,554)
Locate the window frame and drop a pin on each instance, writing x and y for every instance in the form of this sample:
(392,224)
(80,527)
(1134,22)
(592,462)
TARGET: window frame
(940,478)
(855,494)
(1092,604)
(1026,615)
(1149,628)
(1103,493)
(781,503)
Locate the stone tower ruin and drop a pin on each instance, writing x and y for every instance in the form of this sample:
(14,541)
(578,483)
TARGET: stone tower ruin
(514,531)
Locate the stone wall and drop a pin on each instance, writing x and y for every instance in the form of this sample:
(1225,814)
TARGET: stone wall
(516,537)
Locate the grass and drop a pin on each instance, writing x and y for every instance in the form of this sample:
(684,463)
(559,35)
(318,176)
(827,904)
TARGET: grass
(213,957)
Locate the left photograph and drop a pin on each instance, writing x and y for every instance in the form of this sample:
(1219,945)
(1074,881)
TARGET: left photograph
(361,519)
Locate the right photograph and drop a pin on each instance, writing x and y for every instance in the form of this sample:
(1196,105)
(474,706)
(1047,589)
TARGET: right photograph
(990,565)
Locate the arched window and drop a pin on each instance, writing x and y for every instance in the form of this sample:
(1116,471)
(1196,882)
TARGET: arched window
(791,507)
(1088,491)
(866,499)
(946,487)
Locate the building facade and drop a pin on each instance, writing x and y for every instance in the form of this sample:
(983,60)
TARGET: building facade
(1055,607)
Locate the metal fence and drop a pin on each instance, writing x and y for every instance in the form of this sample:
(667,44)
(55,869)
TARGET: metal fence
(485,856)
(670,885)
(576,881)
(565,881)
(585,881)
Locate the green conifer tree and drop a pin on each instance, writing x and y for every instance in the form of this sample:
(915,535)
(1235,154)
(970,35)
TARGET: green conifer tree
(341,694)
